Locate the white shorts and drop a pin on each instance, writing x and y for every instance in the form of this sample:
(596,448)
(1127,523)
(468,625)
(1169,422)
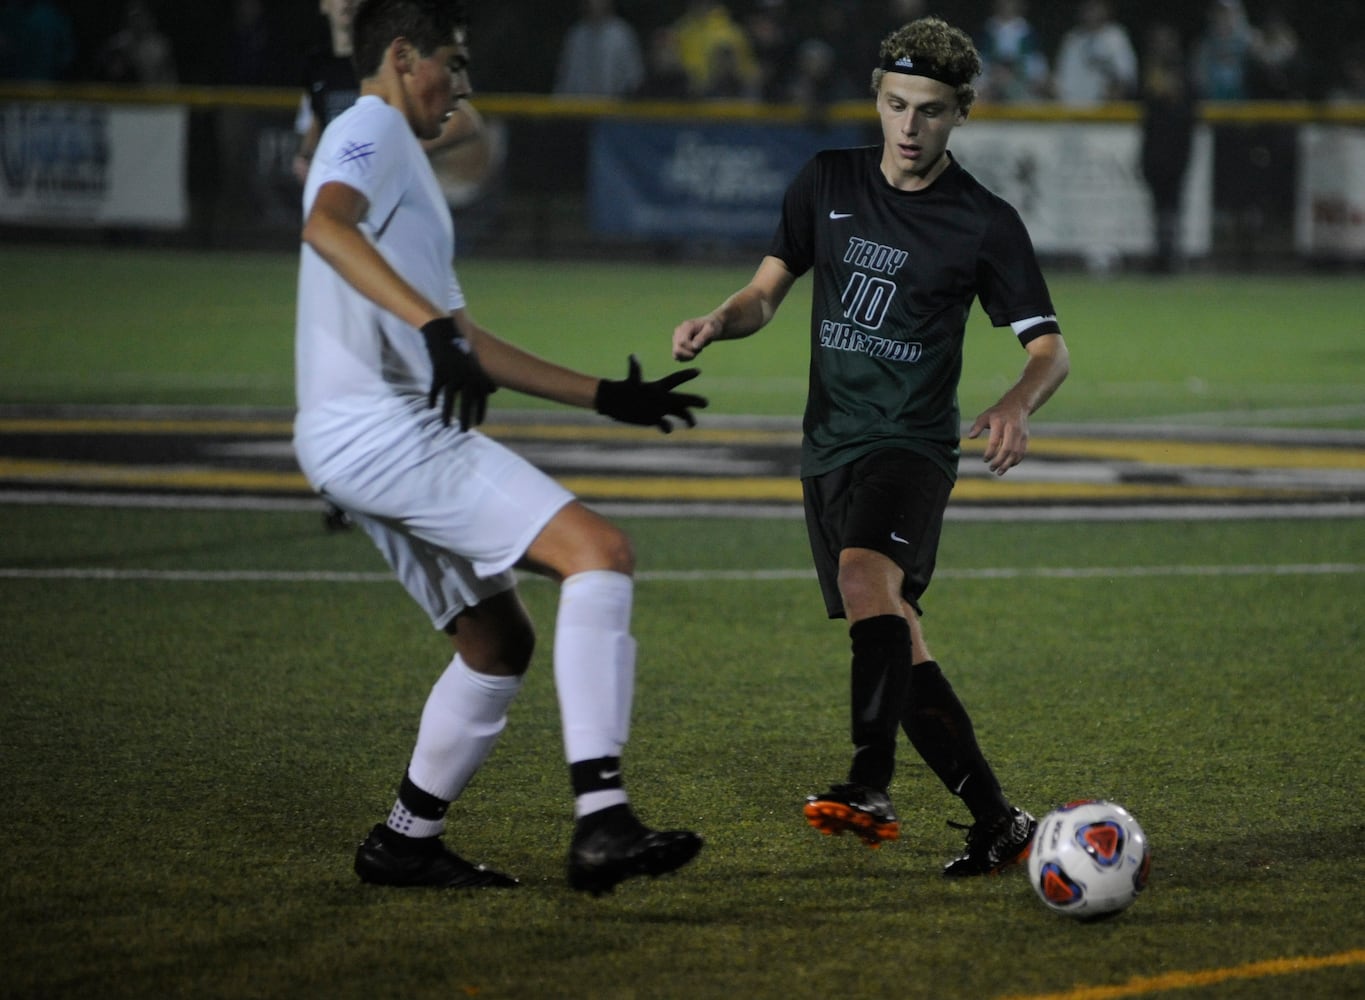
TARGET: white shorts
(452,512)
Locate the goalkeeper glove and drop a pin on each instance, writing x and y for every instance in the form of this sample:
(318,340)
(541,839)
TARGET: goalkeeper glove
(649,404)
(455,371)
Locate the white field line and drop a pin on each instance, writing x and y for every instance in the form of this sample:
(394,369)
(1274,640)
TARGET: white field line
(77,573)
(744,511)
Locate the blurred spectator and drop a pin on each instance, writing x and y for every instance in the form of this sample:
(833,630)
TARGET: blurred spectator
(856,30)
(770,32)
(1278,71)
(1096,61)
(815,79)
(139,52)
(601,55)
(1014,67)
(1168,121)
(36,40)
(330,87)
(1349,84)
(715,51)
(9,39)
(901,12)
(1223,55)
(249,55)
(665,77)
(728,76)
(329,82)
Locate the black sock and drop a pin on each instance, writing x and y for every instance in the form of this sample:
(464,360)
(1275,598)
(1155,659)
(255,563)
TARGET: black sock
(880,678)
(415,808)
(596,775)
(942,733)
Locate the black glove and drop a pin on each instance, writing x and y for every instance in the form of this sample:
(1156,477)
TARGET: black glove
(648,404)
(455,371)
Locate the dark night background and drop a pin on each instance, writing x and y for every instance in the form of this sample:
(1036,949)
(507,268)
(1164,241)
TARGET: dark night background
(516,42)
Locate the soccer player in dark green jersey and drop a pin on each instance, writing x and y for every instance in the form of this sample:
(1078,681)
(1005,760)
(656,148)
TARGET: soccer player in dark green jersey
(901,239)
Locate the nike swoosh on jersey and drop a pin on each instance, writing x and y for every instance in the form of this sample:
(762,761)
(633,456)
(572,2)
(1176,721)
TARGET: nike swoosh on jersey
(841,215)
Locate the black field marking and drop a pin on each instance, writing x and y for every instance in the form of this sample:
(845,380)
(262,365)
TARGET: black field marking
(726,467)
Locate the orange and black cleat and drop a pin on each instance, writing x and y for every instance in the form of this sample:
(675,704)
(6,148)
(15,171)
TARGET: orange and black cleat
(865,812)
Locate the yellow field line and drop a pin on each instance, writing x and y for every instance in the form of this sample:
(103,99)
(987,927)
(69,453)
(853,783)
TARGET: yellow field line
(114,425)
(667,488)
(1140,985)
(1152,452)
(1240,456)
(142,477)
(781,488)
(284,428)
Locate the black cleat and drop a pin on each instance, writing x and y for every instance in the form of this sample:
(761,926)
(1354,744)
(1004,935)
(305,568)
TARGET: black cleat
(431,863)
(854,808)
(335,519)
(994,845)
(611,846)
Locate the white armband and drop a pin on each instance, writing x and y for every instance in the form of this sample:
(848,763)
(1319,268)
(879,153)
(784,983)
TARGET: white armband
(1021,325)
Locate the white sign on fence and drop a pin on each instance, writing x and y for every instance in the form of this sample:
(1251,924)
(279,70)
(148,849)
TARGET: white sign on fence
(92,164)
(1330,214)
(1079,187)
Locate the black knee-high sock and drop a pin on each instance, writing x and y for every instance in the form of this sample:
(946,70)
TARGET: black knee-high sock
(941,731)
(880,680)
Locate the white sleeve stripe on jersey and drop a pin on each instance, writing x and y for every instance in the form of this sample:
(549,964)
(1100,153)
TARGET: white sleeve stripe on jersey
(1019,326)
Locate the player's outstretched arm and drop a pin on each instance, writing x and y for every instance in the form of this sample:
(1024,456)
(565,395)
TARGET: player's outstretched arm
(746,311)
(631,400)
(1008,420)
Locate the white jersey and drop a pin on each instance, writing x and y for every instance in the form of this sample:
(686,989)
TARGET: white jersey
(348,352)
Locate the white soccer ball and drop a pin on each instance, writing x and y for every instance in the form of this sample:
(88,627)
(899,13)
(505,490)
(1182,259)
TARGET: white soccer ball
(1090,859)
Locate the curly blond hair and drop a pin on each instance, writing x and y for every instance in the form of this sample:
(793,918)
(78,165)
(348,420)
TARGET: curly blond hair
(933,42)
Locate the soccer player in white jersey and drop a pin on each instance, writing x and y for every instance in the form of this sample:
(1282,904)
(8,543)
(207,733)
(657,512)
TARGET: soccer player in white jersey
(383,335)
(900,240)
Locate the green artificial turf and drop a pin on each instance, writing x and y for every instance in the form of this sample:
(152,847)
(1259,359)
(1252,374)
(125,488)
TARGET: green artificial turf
(189,763)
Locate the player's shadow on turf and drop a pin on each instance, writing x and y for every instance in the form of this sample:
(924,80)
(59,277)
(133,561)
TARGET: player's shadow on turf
(1257,854)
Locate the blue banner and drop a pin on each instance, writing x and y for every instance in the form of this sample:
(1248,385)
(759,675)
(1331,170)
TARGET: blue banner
(668,180)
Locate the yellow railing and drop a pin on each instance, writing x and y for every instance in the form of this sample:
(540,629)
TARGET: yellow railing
(541,106)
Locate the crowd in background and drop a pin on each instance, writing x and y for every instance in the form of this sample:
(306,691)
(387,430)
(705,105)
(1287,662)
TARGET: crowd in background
(804,51)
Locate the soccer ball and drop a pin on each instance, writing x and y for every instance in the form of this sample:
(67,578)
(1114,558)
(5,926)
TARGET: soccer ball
(1090,859)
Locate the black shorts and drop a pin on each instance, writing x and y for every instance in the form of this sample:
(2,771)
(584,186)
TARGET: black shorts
(891,501)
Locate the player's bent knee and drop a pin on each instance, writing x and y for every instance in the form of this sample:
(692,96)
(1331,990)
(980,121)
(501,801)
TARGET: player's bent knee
(579,540)
(504,655)
(495,637)
(617,551)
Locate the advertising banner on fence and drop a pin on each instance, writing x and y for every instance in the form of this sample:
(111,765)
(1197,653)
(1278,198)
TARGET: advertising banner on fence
(706,181)
(1330,214)
(1077,185)
(1079,188)
(71,164)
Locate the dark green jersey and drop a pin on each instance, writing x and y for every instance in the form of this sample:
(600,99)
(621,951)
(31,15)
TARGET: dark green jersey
(895,276)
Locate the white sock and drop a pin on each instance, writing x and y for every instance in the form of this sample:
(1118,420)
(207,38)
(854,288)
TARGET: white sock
(594,663)
(463,716)
(403,820)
